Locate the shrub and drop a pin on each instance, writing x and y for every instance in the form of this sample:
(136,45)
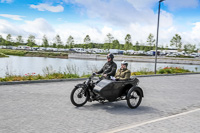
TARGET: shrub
(143,71)
(169,70)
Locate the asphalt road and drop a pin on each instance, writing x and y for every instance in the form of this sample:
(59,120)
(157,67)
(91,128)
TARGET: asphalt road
(171,104)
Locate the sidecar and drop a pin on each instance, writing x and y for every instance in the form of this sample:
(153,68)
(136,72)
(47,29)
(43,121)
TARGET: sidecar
(113,90)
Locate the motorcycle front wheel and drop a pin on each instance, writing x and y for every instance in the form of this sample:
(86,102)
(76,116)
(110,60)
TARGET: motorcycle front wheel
(79,96)
(134,98)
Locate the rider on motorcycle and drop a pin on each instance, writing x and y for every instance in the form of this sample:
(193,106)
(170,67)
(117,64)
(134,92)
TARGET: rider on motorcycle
(123,73)
(110,67)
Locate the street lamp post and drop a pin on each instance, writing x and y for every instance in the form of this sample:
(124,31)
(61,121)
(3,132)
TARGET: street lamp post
(157,35)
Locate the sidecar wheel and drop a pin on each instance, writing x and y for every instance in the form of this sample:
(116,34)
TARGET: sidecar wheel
(134,98)
(79,96)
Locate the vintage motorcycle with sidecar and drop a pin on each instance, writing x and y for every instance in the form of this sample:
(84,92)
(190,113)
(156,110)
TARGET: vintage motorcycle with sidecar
(107,90)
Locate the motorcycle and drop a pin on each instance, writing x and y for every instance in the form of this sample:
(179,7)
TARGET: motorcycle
(107,90)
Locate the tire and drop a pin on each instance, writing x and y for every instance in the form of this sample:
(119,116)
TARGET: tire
(134,98)
(79,96)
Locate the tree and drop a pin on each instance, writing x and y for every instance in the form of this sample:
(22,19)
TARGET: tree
(108,42)
(176,41)
(9,37)
(57,42)
(189,48)
(31,41)
(2,40)
(137,47)
(45,42)
(87,39)
(8,40)
(151,40)
(116,44)
(128,38)
(128,44)
(19,40)
(54,45)
(70,41)
(166,47)
(109,38)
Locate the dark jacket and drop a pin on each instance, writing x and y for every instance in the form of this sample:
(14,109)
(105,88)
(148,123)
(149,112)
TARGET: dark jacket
(123,74)
(109,68)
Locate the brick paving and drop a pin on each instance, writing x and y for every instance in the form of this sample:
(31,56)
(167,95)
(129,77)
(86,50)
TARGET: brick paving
(46,108)
(186,123)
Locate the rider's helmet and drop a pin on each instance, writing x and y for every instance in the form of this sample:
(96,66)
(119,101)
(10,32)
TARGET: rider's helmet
(124,63)
(110,55)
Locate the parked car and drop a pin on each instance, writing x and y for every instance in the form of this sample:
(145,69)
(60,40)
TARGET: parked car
(114,51)
(42,48)
(35,48)
(194,55)
(171,55)
(130,51)
(79,50)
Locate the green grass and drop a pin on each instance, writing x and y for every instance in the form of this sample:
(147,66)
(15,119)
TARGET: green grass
(3,55)
(33,54)
(47,54)
(33,76)
(13,52)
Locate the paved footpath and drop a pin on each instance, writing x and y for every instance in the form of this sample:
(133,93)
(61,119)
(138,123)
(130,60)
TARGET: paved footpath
(171,104)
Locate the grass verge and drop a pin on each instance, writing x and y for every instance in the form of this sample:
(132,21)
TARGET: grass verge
(58,75)
(33,54)
(2,55)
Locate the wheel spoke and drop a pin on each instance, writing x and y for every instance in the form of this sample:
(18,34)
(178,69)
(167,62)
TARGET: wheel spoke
(79,96)
(134,99)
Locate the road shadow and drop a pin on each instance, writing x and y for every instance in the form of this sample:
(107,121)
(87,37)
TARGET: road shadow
(119,108)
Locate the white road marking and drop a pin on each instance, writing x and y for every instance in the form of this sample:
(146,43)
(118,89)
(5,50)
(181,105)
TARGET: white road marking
(151,121)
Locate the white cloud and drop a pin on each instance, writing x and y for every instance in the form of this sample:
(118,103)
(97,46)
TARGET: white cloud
(192,36)
(196,30)
(7,1)
(115,12)
(138,31)
(8,28)
(172,4)
(37,27)
(177,4)
(142,4)
(126,16)
(118,17)
(166,19)
(47,7)
(78,31)
(14,17)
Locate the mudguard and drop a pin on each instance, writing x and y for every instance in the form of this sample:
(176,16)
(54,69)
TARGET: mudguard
(137,88)
(84,86)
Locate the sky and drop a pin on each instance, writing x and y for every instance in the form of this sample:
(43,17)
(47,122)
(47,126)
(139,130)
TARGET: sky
(97,18)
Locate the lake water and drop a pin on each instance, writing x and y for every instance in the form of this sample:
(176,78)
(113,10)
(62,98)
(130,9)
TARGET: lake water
(17,65)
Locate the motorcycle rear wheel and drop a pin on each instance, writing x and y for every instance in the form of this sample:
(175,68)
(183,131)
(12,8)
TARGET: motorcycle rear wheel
(79,96)
(134,98)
